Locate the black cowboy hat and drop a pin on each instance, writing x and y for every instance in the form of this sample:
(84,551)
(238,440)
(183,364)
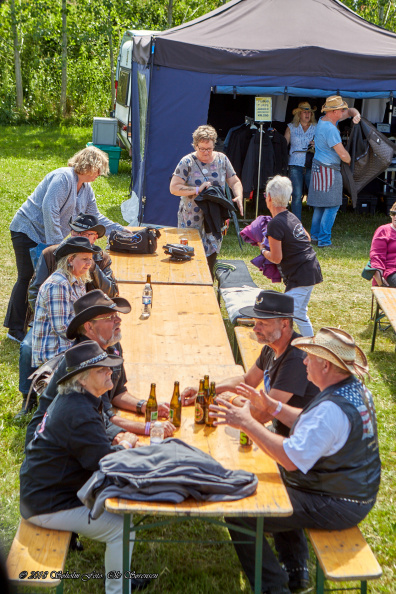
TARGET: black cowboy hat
(270,304)
(93,304)
(86,222)
(73,245)
(87,355)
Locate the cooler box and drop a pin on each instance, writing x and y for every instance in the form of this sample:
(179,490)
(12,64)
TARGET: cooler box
(104,131)
(114,153)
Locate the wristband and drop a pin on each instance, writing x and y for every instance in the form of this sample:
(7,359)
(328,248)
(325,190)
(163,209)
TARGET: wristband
(263,251)
(139,405)
(231,400)
(277,410)
(147,428)
(196,190)
(126,444)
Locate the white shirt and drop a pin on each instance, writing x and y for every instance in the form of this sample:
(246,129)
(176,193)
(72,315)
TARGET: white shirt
(320,432)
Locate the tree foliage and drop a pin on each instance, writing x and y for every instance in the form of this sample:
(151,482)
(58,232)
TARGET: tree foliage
(94,31)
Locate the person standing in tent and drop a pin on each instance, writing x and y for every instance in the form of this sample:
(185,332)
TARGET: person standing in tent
(299,134)
(325,190)
(195,172)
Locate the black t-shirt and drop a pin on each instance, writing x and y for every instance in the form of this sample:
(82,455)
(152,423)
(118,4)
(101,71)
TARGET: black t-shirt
(300,266)
(288,373)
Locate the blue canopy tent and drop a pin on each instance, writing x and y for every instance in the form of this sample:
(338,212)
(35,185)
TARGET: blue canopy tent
(311,48)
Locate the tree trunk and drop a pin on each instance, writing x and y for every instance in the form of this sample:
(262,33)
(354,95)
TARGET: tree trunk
(17,59)
(170,12)
(111,63)
(64,60)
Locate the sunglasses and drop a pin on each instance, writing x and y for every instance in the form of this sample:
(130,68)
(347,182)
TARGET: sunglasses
(111,317)
(392,213)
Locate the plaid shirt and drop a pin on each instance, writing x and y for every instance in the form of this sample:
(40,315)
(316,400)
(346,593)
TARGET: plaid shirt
(54,311)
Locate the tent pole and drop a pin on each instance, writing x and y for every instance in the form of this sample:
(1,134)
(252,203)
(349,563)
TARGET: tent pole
(259,167)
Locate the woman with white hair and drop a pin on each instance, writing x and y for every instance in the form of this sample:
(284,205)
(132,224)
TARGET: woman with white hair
(66,450)
(44,219)
(290,248)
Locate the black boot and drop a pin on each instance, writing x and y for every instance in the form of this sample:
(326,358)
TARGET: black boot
(27,407)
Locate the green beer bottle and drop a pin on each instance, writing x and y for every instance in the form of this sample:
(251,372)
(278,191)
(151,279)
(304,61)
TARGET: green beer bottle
(200,405)
(175,406)
(152,406)
(212,395)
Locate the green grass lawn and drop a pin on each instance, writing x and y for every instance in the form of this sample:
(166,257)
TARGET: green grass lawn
(343,300)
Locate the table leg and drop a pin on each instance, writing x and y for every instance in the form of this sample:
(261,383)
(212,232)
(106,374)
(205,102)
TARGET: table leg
(125,554)
(375,327)
(259,554)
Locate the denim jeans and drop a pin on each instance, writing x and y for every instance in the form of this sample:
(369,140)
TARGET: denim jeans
(322,223)
(25,363)
(297,176)
(107,528)
(309,511)
(17,306)
(301,296)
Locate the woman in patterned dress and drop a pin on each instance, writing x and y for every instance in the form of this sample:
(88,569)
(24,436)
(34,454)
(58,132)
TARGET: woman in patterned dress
(195,172)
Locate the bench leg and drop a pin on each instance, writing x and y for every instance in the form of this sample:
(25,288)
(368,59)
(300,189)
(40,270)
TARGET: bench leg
(363,587)
(320,580)
(59,588)
(375,328)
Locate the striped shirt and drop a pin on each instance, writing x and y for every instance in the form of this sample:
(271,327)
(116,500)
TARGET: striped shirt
(54,311)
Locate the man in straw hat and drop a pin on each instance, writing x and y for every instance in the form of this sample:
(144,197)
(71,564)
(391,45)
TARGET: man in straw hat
(280,364)
(66,450)
(97,317)
(325,190)
(330,463)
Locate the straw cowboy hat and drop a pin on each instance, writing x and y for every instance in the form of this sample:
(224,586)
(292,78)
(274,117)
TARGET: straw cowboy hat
(303,106)
(335,346)
(334,102)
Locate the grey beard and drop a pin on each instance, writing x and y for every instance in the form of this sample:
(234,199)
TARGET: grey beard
(112,340)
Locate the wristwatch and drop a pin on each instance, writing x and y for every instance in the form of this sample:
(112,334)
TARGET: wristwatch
(139,405)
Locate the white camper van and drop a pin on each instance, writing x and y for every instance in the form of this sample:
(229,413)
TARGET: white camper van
(123,87)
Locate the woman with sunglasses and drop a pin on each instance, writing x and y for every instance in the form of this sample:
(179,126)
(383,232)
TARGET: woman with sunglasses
(383,252)
(195,172)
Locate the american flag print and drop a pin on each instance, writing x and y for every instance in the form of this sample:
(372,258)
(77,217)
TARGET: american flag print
(358,395)
(322,177)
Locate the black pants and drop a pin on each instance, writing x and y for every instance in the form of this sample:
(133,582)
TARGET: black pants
(17,306)
(391,280)
(211,260)
(309,511)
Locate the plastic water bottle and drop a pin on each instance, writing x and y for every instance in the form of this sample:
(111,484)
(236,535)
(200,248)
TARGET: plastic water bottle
(146,302)
(157,433)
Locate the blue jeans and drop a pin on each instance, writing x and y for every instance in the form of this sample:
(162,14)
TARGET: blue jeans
(297,175)
(25,363)
(301,296)
(322,223)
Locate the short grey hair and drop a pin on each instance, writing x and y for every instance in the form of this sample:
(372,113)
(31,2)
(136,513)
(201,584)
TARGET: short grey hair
(280,189)
(74,383)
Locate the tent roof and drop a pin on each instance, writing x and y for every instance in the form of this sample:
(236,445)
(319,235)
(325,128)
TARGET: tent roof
(280,37)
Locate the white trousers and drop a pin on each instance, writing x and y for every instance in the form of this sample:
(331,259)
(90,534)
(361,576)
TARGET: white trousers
(107,528)
(301,296)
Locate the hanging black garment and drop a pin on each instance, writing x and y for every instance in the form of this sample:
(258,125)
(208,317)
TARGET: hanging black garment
(238,146)
(250,166)
(371,153)
(279,144)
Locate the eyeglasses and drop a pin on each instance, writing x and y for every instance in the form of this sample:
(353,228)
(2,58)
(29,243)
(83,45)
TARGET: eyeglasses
(111,317)
(204,150)
(392,213)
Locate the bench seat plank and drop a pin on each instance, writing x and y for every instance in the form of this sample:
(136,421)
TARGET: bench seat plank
(36,549)
(344,555)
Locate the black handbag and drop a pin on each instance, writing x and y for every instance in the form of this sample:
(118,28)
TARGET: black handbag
(309,158)
(143,241)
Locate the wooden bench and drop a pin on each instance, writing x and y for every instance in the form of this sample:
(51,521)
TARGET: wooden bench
(35,554)
(386,302)
(343,556)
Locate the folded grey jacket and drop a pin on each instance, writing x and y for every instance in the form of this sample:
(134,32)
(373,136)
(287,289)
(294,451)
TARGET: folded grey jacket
(169,472)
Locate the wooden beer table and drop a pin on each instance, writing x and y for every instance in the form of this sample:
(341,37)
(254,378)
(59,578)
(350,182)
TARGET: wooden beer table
(386,302)
(222,443)
(130,268)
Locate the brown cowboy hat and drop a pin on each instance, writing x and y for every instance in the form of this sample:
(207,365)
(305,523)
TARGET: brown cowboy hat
(335,346)
(303,106)
(334,102)
(92,304)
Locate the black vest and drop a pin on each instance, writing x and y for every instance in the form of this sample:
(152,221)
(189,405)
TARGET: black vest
(354,471)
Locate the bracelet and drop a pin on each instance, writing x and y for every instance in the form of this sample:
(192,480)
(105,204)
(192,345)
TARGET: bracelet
(231,400)
(147,428)
(196,190)
(139,405)
(125,443)
(278,409)
(263,251)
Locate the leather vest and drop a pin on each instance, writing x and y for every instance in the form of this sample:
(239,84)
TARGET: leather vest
(354,471)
